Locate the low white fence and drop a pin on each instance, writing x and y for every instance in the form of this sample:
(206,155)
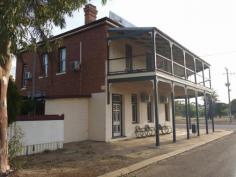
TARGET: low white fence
(41,133)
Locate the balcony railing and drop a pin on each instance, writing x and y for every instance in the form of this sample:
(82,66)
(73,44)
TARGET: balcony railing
(122,65)
(145,63)
(163,63)
(170,57)
(190,75)
(199,79)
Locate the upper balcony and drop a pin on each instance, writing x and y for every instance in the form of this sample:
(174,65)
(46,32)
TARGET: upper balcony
(138,50)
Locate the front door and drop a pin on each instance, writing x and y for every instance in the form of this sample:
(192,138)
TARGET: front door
(116,115)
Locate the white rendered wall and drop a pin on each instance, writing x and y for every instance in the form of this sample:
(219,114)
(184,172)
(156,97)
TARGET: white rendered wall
(40,132)
(128,126)
(39,135)
(97,117)
(75,112)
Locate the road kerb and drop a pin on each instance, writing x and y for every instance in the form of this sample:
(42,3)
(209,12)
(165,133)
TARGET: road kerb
(147,162)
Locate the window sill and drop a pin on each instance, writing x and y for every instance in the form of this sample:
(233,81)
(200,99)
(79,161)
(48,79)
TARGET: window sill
(60,73)
(135,122)
(23,88)
(41,77)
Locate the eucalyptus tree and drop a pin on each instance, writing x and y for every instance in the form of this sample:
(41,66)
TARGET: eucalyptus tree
(22,24)
(233,107)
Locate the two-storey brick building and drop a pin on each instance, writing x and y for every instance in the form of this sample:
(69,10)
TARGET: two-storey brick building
(107,78)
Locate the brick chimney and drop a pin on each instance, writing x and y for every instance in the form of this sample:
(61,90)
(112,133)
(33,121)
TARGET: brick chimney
(90,13)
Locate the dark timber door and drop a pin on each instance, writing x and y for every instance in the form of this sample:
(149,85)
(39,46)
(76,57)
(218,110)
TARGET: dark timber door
(129,55)
(116,115)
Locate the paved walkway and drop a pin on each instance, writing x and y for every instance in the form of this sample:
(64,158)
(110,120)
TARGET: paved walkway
(170,150)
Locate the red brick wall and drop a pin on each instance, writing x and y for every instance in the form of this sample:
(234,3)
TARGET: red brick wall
(87,80)
(39,117)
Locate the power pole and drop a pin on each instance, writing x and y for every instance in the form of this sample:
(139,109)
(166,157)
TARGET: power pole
(228,87)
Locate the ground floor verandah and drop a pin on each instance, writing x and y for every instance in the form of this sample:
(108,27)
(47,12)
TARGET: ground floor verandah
(129,99)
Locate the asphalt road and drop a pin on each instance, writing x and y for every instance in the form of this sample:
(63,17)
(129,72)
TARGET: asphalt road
(216,159)
(217,126)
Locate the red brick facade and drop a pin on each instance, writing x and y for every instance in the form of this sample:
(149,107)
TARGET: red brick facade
(90,78)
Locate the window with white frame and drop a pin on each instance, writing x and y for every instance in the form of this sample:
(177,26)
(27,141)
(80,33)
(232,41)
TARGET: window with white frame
(62,61)
(45,64)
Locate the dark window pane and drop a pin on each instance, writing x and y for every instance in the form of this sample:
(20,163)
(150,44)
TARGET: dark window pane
(134,108)
(149,112)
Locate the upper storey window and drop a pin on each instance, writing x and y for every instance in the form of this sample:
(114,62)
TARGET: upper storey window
(25,75)
(45,64)
(62,62)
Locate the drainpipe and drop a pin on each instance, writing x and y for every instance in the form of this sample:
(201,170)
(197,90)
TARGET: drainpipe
(33,75)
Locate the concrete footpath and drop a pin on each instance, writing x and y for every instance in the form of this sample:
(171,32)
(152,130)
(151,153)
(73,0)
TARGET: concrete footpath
(182,146)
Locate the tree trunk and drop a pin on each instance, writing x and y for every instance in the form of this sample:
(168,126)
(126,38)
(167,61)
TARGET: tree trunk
(5,70)
(3,125)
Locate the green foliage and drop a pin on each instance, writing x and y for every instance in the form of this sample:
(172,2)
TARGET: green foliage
(220,109)
(192,110)
(13,101)
(27,106)
(180,109)
(233,106)
(15,146)
(201,110)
